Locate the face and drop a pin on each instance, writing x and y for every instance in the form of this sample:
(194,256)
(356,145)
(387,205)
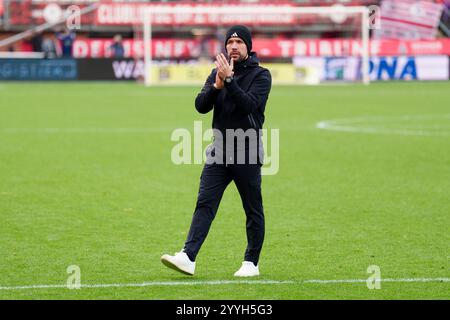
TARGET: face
(236,49)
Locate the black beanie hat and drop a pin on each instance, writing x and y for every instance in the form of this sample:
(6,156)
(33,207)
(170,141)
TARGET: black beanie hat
(240,32)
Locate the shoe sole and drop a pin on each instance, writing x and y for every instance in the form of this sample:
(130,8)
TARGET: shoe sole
(249,276)
(170,265)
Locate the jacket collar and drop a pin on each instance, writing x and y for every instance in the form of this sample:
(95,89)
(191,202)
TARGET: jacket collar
(251,62)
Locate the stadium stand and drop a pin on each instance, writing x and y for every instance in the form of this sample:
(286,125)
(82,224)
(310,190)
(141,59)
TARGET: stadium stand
(33,29)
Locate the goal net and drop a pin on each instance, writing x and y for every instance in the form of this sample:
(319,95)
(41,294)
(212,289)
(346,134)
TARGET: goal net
(299,45)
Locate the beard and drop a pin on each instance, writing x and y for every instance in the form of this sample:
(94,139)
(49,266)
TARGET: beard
(238,57)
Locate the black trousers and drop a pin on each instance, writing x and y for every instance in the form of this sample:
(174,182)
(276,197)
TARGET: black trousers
(213,182)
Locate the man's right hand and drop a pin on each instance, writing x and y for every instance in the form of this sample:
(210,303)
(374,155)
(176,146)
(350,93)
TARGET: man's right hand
(219,84)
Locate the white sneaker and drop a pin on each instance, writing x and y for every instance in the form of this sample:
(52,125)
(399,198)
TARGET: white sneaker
(247,269)
(179,262)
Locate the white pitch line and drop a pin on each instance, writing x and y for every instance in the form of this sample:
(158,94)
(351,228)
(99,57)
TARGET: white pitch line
(381,280)
(220,282)
(350,125)
(152,284)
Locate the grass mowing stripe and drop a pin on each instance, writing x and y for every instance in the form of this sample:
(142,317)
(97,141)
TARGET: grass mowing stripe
(85,130)
(113,202)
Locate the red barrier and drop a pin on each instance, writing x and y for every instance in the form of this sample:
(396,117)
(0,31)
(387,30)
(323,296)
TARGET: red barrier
(269,48)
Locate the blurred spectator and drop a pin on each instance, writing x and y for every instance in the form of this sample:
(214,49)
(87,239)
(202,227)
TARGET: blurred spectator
(204,50)
(66,39)
(36,42)
(117,47)
(49,48)
(203,39)
(220,36)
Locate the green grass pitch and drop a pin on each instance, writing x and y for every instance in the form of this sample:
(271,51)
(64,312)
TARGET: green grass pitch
(86,179)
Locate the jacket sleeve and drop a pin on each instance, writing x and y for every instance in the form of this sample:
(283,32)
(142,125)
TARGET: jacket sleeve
(207,96)
(255,97)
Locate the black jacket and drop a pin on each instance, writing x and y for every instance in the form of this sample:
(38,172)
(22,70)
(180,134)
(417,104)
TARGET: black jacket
(241,104)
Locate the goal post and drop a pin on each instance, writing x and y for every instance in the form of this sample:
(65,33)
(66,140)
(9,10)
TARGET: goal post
(360,11)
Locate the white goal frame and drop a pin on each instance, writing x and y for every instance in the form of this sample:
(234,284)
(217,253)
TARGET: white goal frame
(147,25)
